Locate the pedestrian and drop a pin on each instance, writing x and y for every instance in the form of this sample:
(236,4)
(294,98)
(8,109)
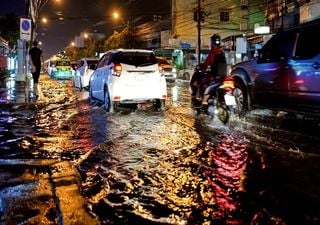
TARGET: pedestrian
(36,58)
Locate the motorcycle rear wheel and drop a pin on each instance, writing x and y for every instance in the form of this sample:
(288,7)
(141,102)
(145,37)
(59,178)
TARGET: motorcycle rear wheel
(223,113)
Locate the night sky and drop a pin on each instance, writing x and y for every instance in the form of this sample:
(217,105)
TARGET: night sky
(83,16)
(12,6)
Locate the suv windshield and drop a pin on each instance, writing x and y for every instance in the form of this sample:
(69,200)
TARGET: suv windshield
(135,58)
(63,63)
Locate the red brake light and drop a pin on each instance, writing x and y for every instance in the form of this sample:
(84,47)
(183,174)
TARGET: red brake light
(161,69)
(228,83)
(117,68)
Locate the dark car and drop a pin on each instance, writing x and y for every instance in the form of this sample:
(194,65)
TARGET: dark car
(286,74)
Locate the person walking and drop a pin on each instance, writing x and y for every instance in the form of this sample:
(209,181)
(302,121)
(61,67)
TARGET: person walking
(36,58)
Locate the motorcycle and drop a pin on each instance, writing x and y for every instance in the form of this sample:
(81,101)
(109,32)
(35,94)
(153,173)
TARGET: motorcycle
(221,102)
(216,106)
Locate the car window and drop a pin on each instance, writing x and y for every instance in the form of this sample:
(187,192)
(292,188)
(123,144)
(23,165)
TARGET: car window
(308,45)
(102,59)
(135,58)
(105,60)
(81,63)
(278,48)
(63,63)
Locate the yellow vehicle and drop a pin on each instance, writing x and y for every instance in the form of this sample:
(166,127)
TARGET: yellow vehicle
(62,69)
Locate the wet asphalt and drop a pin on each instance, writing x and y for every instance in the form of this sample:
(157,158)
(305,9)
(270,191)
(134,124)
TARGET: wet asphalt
(33,190)
(147,167)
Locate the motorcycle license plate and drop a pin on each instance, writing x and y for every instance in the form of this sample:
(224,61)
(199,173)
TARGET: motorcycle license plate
(230,100)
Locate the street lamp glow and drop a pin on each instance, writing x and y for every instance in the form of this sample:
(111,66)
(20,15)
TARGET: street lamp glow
(116,15)
(73,44)
(44,20)
(85,35)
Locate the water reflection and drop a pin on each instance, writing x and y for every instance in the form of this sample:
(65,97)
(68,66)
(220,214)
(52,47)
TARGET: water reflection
(226,175)
(155,171)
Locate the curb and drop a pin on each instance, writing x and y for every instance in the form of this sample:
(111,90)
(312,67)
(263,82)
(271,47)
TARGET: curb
(41,192)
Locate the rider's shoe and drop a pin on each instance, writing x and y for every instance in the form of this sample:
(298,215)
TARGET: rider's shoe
(196,103)
(204,108)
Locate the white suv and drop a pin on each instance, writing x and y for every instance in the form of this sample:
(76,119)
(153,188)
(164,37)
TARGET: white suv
(128,76)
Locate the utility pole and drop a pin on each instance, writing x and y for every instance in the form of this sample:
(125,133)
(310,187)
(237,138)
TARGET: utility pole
(198,16)
(199,31)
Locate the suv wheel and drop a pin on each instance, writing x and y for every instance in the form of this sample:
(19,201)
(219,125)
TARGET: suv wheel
(241,96)
(91,98)
(80,84)
(160,104)
(108,104)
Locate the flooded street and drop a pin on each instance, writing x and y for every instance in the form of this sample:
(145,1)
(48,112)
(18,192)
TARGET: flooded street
(172,167)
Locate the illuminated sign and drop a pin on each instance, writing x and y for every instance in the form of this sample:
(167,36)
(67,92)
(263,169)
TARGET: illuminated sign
(25,29)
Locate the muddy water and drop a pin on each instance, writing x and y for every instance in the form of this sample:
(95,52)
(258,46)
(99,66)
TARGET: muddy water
(172,167)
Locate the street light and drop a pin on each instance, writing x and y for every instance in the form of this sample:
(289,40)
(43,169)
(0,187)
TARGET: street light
(116,16)
(44,20)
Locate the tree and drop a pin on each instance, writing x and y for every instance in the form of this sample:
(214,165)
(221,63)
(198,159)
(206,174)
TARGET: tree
(124,39)
(33,7)
(112,41)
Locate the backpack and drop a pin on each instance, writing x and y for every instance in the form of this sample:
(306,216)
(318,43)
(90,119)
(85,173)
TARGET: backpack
(219,67)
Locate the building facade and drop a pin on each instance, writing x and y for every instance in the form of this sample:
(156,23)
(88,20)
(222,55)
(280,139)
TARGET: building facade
(227,18)
(282,14)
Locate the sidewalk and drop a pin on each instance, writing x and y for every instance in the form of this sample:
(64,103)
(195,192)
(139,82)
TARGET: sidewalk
(16,92)
(38,191)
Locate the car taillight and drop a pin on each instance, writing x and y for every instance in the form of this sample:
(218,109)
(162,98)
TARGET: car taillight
(117,68)
(228,83)
(161,69)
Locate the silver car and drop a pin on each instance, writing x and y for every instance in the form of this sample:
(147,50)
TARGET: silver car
(83,72)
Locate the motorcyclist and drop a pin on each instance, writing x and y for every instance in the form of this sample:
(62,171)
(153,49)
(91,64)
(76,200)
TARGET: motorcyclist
(217,62)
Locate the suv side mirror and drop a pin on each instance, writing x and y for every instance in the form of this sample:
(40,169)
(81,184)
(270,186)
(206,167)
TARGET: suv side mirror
(258,55)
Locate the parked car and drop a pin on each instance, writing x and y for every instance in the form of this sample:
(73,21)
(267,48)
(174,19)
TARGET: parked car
(128,76)
(286,74)
(168,69)
(61,70)
(48,66)
(83,72)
